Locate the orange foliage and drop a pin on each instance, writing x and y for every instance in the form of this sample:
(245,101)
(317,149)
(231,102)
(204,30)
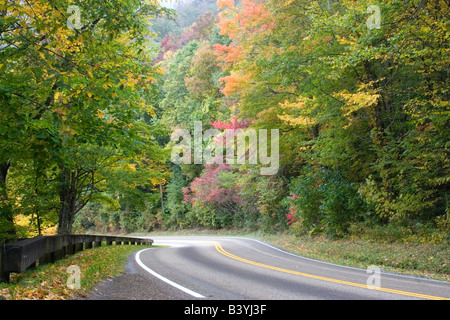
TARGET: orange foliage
(233,83)
(228,54)
(228,27)
(225,4)
(253,14)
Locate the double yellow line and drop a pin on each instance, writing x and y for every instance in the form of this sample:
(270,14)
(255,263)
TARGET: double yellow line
(311,276)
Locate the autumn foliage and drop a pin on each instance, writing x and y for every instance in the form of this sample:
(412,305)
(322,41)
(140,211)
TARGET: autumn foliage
(362,113)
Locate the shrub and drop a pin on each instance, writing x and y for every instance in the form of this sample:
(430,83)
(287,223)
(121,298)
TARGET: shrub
(214,201)
(323,201)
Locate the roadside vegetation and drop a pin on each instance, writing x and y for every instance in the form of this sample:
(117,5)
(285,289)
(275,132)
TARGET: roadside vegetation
(50,281)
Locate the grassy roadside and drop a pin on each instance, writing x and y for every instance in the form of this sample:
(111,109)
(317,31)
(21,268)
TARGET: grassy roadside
(428,260)
(49,282)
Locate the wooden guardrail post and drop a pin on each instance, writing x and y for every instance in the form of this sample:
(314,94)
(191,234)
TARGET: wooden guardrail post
(4,276)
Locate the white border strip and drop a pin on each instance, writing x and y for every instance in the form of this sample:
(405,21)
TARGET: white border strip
(157,275)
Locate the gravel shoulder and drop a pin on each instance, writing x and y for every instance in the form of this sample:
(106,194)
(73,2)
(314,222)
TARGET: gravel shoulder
(133,284)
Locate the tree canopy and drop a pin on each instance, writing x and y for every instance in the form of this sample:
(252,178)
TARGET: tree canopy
(75,103)
(358,91)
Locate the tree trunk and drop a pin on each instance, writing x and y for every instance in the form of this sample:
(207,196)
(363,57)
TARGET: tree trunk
(68,198)
(4,167)
(162,197)
(5,207)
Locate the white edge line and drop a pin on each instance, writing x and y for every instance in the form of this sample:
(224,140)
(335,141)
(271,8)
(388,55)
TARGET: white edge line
(157,275)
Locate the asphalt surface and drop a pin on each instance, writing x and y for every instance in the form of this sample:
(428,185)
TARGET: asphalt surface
(220,268)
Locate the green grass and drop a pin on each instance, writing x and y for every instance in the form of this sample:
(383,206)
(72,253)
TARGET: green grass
(49,282)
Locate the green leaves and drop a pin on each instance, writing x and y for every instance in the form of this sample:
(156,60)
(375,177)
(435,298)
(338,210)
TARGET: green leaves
(74,99)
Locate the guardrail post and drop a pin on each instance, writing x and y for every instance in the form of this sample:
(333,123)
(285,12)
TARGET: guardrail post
(70,250)
(78,247)
(4,275)
(45,259)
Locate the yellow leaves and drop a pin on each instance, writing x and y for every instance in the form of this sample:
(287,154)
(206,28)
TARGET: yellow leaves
(23,24)
(129,82)
(297,121)
(53,288)
(160,70)
(5,293)
(73,46)
(288,3)
(22,220)
(349,40)
(364,98)
(157,181)
(128,167)
(356,101)
(292,105)
(150,110)
(25,221)
(296,113)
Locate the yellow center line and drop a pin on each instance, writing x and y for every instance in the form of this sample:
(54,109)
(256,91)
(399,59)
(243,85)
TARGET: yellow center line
(311,276)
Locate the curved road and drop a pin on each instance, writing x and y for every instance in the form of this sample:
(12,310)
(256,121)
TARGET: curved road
(246,269)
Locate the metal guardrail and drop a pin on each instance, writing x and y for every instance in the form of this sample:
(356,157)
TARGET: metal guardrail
(23,254)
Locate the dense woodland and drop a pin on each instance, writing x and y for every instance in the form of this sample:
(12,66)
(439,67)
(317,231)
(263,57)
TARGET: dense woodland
(359,91)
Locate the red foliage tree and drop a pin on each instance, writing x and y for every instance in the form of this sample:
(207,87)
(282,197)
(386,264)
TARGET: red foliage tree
(209,190)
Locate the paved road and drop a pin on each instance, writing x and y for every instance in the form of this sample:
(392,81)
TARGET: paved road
(241,269)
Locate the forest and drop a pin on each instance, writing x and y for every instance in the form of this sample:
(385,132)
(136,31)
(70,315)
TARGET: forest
(91,93)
